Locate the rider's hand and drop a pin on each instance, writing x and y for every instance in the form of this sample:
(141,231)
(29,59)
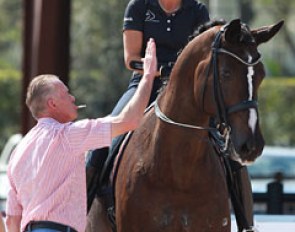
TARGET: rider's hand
(150,59)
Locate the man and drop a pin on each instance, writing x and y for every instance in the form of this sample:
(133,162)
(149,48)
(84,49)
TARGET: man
(47,169)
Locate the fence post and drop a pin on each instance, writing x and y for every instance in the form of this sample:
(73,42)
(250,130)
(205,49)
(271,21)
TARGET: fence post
(275,195)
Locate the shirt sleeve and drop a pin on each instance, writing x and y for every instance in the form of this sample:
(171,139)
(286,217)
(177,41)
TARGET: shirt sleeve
(134,15)
(202,14)
(13,207)
(89,134)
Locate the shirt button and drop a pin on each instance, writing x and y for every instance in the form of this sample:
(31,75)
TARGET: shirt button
(168,21)
(173,14)
(168,29)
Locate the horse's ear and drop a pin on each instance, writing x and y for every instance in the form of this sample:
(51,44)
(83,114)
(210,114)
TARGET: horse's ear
(232,32)
(264,34)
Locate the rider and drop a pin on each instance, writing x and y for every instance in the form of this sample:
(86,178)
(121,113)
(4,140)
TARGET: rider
(170,23)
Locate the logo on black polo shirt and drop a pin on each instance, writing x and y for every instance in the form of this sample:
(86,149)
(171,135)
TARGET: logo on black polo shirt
(128,19)
(150,16)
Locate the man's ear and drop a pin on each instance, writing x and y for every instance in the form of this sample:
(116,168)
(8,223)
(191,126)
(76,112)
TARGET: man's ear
(51,103)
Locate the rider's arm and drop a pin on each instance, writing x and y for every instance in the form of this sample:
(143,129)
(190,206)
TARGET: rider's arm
(132,41)
(132,113)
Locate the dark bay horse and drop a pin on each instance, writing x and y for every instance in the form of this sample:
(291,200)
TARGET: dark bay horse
(170,177)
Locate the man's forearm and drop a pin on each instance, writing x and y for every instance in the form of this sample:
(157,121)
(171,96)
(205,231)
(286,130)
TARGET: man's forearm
(137,105)
(130,116)
(13,223)
(132,113)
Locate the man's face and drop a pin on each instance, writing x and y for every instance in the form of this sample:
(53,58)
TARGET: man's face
(65,109)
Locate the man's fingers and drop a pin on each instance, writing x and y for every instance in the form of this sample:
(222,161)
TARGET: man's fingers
(150,49)
(150,59)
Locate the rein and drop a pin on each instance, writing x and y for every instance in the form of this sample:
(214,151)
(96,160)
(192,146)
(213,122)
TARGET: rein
(164,118)
(220,140)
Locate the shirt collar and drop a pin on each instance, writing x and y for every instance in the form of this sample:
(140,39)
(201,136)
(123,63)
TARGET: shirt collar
(47,121)
(185,3)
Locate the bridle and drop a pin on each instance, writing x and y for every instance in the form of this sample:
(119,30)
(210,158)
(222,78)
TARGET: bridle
(221,124)
(222,111)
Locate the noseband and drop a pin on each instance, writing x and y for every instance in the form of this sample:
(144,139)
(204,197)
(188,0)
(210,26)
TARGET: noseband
(221,123)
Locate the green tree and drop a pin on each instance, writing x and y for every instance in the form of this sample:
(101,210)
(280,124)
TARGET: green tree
(277,111)
(10,65)
(97,54)
(276,10)
(247,11)
(10,30)
(10,82)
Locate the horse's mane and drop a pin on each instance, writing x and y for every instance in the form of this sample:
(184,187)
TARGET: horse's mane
(245,38)
(204,27)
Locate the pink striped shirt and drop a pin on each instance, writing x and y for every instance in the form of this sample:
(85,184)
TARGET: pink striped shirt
(47,171)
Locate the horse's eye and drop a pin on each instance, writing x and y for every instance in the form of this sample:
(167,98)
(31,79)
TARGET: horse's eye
(225,74)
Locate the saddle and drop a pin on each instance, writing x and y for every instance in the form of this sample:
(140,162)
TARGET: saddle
(103,185)
(107,192)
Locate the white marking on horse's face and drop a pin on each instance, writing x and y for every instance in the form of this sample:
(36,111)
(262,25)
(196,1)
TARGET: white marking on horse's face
(252,112)
(236,157)
(252,119)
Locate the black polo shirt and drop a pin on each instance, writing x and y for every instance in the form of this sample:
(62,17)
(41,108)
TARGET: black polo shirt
(170,32)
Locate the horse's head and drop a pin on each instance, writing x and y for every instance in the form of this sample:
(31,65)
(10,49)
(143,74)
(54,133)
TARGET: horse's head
(235,74)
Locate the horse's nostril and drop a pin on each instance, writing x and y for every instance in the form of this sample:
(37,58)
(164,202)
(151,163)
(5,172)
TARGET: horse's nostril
(248,147)
(244,149)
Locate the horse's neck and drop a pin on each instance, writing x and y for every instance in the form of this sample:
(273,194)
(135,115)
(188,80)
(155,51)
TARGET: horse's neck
(178,102)
(179,149)
(184,153)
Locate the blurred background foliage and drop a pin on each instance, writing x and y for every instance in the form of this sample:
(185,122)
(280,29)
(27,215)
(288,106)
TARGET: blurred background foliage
(98,76)
(10,86)
(277,111)
(10,34)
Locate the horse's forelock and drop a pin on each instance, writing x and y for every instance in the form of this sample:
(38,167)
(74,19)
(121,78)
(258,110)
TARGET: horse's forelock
(246,35)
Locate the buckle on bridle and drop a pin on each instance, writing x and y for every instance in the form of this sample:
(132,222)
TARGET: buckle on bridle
(225,131)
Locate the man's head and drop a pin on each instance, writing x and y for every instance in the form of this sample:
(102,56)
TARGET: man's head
(47,96)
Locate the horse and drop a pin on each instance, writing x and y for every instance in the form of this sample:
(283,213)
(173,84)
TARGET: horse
(172,174)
